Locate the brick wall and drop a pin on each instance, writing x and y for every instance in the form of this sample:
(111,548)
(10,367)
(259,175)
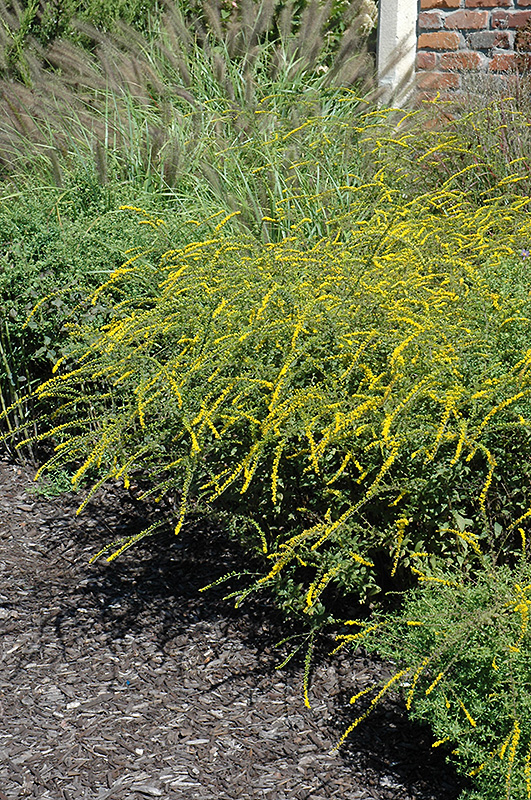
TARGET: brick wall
(459,36)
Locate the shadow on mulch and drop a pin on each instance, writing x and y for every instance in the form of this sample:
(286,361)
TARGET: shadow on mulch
(157,582)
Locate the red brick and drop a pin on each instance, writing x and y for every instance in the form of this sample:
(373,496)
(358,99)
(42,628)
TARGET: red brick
(486,40)
(430,19)
(504,39)
(438,80)
(509,19)
(440,3)
(426,60)
(458,61)
(439,41)
(503,62)
(487,3)
(467,19)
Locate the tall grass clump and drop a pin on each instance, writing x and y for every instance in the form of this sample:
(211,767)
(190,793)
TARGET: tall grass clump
(234,114)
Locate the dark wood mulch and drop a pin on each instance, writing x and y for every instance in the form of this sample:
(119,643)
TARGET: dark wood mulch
(122,682)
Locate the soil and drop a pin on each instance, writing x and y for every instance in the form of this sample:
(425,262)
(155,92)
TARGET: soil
(121,681)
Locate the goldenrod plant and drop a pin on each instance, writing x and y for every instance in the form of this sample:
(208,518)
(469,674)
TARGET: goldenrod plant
(356,372)
(360,404)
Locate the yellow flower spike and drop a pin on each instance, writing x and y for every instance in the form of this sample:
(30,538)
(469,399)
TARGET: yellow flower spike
(512,753)
(439,742)
(341,469)
(360,694)
(309,595)
(520,519)
(374,702)
(467,714)
(274,471)
(434,683)
(527,771)
(450,406)
(469,538)
(184,499)
(477,770)
(500,407)
(317,589)
(442,581)
(492,466)
(415,679)
(401,525)
(396,501)
(522,608)
(224,221)
(345,638)
(360,560)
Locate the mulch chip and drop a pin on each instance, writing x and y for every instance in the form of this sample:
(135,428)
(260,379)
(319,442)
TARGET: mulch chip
(121,682)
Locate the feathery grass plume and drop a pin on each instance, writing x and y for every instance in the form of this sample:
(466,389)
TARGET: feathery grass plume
(129,92)
(15,55)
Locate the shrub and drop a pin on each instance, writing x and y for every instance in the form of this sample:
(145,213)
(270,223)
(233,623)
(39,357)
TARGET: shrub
(373,381)
(358,407)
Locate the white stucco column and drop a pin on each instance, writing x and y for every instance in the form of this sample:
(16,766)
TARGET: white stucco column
(397,45)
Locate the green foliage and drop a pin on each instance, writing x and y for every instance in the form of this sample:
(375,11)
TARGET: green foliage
(189,123)
(53,485)
(44,22)
(55,247)
(466,648)
(52,19)
(358,409)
